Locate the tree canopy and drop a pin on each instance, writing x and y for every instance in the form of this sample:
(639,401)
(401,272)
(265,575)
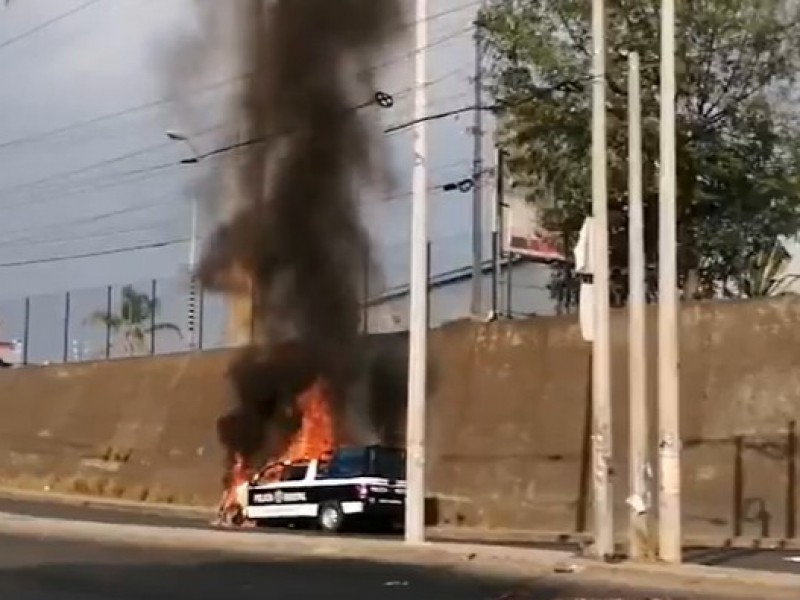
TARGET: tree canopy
(738,133)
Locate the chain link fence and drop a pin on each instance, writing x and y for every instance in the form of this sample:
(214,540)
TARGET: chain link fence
(165,316)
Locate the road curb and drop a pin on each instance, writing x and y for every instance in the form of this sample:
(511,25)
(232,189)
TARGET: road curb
(517,563)
(101,502)
(447,534)
(502,536)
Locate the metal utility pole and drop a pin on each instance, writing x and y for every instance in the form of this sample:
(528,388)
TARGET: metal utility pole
(477,173)
(497,230)
(637,341)
(601,346)
(669,444)
(418,326)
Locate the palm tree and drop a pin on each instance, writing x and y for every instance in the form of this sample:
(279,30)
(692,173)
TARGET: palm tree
(135,323)
(765,273)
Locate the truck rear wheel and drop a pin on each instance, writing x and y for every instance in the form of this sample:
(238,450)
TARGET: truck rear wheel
(331,517)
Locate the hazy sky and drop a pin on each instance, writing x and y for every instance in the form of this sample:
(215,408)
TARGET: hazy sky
(93,187)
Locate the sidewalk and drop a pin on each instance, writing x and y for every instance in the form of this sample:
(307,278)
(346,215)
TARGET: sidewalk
(498,561)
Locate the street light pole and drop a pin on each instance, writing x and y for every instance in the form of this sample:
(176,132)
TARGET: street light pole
(191,303)
(193,237)
(418,326)
(669,444)
(601,346)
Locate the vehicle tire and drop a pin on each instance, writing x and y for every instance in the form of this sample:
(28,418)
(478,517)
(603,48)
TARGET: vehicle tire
(330,517)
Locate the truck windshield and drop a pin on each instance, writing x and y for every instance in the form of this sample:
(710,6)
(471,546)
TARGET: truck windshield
(389,463)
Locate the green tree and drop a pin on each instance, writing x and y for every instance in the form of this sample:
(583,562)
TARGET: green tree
(737,146)
(134,324)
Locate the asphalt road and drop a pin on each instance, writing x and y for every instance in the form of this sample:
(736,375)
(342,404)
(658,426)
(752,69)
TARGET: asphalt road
(767,560)
(40,569)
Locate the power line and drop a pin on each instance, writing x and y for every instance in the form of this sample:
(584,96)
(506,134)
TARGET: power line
(90,220)
(152,226)
(122,250)
(437,189)
(114,115)
(46,24)
(35,183)
(33,239)
(102,163)
(199,90)
(153,147)
(158,168)
(36,240)
(135,175)
(150,148)
(411,54)
(444,13)
(567,85)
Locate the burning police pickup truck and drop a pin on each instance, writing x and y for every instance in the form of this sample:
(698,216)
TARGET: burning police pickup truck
(355,484)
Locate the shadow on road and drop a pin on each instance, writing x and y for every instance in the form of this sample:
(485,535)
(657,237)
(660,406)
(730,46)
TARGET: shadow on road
(246,580)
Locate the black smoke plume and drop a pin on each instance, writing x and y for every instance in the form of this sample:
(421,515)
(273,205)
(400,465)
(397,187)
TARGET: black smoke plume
(296,229)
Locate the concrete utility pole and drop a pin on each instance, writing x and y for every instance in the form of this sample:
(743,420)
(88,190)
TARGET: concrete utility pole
(477,190)
(637,341)
(193,283)
(418,329)
(669,444)
(601,347)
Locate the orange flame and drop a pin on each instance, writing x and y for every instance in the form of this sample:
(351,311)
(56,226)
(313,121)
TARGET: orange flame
(315,436)
(313,440)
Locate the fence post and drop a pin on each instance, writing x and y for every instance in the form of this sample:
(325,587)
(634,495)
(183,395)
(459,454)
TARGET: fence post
(153,304)
(201,303)
(26,332)
(109,294)
(791,481)
(252,313)
(66,327)
(509,285)
(738,485)
(428,279)
(497,233)
(365,299)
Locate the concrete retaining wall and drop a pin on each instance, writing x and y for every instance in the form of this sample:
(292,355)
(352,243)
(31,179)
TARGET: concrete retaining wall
(511,420)
(135,429)
(508,422)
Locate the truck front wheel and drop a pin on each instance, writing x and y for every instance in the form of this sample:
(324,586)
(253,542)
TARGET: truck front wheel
(331,517)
